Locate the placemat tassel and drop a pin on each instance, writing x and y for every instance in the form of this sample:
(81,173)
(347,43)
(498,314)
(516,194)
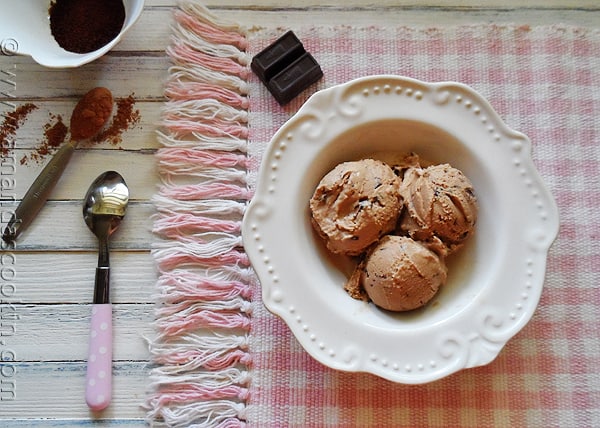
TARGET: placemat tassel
(200,352)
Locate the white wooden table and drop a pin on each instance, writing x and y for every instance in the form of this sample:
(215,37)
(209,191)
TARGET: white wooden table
(46,306)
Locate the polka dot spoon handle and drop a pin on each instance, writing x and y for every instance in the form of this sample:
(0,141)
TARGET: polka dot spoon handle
(103,209)
(99,369)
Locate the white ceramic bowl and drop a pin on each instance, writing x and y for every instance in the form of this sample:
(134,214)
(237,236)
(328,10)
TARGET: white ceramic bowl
(25,30)
(494,282)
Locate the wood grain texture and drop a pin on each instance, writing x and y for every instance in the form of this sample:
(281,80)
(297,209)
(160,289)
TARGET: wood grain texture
(55,390)
(72,234)
(68,324)
(46,302)
(137,167)
(133,276)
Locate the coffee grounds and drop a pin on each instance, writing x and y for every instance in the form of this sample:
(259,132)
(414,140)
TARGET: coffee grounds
(83,26)
(10,125)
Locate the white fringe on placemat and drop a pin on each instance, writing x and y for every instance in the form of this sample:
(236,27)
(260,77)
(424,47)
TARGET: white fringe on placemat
(200,352)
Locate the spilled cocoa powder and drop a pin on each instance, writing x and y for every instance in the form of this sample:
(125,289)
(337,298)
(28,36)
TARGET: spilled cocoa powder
(10,125)
(55,131)
(126,117)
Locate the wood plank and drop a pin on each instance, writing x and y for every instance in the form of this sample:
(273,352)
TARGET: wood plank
(36,332)
(137,167)
(479,4)
(418,16)
(56,390)
(76,423)
(32,81)
(60,226)
(149,32)
(133,277)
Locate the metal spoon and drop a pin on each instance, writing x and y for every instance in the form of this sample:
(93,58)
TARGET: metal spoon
(103,209)
(90,115)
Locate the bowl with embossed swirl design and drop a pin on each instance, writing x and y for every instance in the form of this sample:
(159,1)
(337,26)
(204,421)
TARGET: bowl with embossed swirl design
(494,283)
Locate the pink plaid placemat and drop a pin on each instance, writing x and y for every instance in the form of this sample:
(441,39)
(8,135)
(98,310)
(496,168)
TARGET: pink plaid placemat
(542,82)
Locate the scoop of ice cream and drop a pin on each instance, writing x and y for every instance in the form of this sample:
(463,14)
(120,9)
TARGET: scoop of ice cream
(355,204)
(440,202)
(399,274)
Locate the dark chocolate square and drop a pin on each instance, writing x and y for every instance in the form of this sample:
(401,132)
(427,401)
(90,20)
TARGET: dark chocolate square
(277,56)
(286,68)
(296,77)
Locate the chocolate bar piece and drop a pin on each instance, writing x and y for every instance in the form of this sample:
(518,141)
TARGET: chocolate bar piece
(277,56)
(286,68)
(296,77)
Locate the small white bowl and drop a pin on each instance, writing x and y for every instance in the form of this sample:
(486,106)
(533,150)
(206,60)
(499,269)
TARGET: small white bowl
(25,30)
(494,282)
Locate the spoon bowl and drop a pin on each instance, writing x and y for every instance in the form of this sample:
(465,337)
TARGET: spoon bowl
(105,204)
(103,209)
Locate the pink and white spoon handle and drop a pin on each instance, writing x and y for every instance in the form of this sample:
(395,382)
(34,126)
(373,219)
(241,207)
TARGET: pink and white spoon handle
(98,380)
